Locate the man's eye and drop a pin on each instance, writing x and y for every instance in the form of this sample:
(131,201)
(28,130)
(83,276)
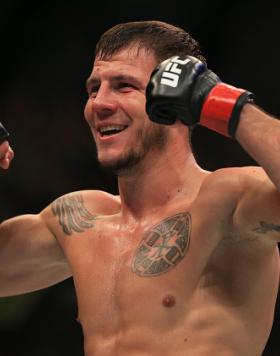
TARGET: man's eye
(92,90)
(125,85)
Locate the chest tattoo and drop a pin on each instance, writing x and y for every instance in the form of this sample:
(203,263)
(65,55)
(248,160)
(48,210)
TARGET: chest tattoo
(163,246)
(72,213)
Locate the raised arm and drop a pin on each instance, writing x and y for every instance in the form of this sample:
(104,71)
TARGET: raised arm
(259,207)
(30,256)
(259,134)
(198,96)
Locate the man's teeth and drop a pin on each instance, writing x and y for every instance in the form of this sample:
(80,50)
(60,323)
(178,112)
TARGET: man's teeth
(111,129)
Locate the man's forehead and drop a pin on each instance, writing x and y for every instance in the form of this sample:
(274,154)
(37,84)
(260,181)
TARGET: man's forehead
(130,60)
(130,52)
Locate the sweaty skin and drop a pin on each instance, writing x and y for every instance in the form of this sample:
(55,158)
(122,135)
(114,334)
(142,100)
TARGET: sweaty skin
(182,262)
(184,285)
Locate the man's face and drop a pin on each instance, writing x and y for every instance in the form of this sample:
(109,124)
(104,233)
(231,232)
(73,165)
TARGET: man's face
(115,110)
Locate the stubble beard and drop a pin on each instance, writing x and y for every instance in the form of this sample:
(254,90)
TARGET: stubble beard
(154,139)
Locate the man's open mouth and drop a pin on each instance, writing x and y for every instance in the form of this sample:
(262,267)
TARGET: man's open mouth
(111,129)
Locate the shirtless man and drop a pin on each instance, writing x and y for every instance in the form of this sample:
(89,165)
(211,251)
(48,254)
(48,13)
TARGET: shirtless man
(184,261)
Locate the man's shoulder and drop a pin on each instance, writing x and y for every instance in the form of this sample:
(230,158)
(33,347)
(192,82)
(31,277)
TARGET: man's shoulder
(223,190)
(97,201)
(227,185)
(236,177)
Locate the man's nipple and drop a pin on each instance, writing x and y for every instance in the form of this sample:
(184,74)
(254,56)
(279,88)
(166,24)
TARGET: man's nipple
(168,301)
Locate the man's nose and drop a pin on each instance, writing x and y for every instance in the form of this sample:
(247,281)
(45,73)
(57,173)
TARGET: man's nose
(104,102)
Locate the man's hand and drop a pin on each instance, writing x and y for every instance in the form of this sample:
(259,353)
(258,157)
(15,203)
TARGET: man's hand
(6,155)
(6,152)
(184,89)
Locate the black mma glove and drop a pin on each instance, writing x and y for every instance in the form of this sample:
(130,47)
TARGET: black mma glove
(184,89)
(4,134)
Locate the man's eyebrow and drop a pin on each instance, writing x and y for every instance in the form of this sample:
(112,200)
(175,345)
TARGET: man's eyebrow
(125,77)
(91,81)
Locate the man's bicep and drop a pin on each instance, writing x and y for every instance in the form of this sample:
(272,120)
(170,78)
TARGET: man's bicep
(258,210)
(25,234)
(30,256)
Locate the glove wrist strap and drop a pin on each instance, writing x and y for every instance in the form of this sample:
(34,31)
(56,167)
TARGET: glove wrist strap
(222,107)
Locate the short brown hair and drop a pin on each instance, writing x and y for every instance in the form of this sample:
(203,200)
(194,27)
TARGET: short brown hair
(163,39)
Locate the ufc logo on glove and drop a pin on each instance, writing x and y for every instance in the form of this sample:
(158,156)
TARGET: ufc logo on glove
(171,74)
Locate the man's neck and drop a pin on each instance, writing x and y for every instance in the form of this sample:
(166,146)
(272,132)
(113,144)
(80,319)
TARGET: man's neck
(157,181)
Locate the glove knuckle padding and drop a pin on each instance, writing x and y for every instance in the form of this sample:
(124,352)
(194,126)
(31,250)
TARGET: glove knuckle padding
(169,92)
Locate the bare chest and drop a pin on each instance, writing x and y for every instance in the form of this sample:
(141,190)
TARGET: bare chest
(116,262)
(154,274)
(144,251)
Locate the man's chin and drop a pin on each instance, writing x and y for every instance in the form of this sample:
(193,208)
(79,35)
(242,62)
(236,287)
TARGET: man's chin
(128,161)
(120,166)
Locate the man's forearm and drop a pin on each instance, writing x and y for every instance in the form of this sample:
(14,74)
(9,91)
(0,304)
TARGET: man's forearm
(259,134)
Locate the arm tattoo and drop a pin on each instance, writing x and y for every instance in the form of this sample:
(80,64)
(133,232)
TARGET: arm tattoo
(266,227)
(72,213)
(163,246)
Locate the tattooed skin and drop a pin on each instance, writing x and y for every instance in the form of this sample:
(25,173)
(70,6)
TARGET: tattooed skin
(266,227)
(72,214)
(163,246)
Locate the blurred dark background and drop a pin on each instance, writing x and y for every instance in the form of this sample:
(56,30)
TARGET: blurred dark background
(46,56)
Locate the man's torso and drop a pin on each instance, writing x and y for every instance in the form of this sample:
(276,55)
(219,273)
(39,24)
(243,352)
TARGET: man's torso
(178,282)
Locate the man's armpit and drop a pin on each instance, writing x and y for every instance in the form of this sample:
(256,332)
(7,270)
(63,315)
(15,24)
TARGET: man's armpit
(72,213)
(269,229)
(266,227)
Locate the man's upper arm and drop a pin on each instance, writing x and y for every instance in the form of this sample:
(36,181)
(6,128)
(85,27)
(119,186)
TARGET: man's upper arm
(30,256)
(258,210)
